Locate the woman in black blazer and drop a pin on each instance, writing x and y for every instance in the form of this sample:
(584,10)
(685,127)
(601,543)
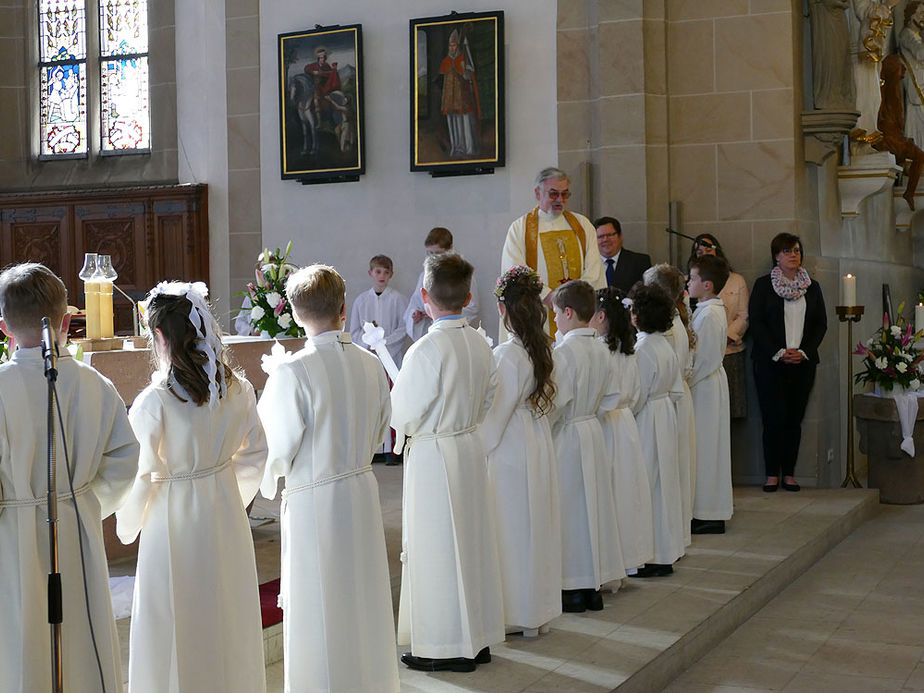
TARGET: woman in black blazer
(788,322)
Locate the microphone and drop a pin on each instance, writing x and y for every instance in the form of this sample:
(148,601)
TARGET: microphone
(49,349)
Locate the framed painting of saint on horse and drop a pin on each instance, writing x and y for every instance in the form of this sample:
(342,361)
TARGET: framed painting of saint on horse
(457,93)
(321,104)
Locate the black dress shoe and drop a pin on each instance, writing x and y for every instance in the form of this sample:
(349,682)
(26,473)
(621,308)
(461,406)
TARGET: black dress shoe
(790,487)
(393,460)
(483,656)
(379,458)
(593,600)
(770,488)
(654,570)
(460,664)
(572,601)
(707,526)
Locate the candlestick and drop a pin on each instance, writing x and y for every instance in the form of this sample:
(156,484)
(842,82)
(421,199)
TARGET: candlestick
(848,290)
(919,317)
(850,315)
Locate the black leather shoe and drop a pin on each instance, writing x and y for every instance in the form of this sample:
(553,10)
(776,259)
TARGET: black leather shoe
(379,457)
(460,664)
(707,526)
(654,570)
(790,487)
(572,601)
(770,488)
(483,656)
(393,460)
(593,600)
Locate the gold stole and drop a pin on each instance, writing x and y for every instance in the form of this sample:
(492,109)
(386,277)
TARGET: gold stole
(563,251)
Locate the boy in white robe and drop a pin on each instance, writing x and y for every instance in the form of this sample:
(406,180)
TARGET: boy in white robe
(382,306)
(103,454)
(712,502)
(586,387)
(416,320)
(451,607)
(325,410)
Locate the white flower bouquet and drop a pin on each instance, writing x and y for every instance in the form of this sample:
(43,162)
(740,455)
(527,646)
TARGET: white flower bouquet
(892,357)
(270,312)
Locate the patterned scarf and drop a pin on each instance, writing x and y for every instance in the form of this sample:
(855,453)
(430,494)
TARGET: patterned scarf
(789,289)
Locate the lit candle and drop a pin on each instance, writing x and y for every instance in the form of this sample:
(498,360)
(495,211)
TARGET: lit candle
(919,317)
(848,290)
(105,310)
(92,309)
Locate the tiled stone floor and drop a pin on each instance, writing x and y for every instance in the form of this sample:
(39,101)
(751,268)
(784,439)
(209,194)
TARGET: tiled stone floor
(852,622)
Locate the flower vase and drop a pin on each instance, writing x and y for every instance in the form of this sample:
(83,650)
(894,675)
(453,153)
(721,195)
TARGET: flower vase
(265,335)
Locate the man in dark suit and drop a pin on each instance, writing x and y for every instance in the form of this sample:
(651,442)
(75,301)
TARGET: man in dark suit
(623,267)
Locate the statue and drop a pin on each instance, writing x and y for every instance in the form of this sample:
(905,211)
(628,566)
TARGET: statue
(832,73)
(911,48)
(871,28)
(891,124)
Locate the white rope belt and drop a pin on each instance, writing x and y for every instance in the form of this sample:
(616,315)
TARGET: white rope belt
(326,480)
(417,437)
(657,397)
(579,419)
(190,476)
(34,502)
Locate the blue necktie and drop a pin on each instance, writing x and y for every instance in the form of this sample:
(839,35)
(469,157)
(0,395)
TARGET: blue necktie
(610,271)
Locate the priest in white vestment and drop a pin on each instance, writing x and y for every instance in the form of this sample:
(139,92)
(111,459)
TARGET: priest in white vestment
(451,607)
(560,245)
(103,454)
(325,410)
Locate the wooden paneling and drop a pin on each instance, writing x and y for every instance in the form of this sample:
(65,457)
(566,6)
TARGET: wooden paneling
(152,234)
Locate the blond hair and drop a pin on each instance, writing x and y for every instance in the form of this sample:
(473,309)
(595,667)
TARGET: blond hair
(29,292)
(317,293)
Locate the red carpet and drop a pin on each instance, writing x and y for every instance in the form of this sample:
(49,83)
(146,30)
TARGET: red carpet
(269,593)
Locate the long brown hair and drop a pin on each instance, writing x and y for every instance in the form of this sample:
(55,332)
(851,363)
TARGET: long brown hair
(519,289)
(170,314)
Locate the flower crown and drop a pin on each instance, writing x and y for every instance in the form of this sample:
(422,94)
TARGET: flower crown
(515,274)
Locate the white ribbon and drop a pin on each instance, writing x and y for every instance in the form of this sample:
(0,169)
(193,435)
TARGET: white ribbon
(374,338)
(277,356)
(907,405)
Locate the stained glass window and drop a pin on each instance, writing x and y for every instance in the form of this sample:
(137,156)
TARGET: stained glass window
(125,122)
(63,77)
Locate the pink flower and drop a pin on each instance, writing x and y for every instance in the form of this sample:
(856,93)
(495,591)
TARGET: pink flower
(861,349)
(261,280)
(885,320)
(252,290)
(280,307)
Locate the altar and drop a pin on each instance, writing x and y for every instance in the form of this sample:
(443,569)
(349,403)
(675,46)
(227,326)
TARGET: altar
(129,369)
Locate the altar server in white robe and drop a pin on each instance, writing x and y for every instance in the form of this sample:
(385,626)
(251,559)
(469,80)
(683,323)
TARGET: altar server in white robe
(613,324)
(713,503)
(672,281)
(660,386)
(451,607)
(103,455)
(382,306)
(586,387)
(325,410)
(196,614)
(521,458)
(416,320)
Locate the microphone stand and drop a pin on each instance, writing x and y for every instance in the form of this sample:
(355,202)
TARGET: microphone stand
(55,607)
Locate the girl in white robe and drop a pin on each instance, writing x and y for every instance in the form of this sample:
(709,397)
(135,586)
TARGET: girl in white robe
(660,386)
(586,387)
(620,432)
(325,410)
(670,279)
(521,459)
(196,622)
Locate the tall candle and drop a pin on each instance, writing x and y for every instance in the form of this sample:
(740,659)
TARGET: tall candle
(92,309)
(919,317)
(105,310)
(848,290)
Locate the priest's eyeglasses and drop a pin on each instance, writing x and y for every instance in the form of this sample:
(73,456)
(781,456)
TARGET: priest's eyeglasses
(555,194)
